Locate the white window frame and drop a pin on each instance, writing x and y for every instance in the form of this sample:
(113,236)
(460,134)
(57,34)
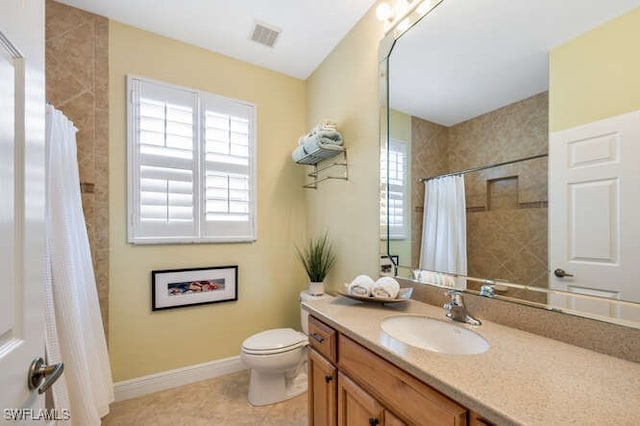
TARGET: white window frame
(398,232)
(202,231)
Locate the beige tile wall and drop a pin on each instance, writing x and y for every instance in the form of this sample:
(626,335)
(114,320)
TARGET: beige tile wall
(507,205)
(77,74)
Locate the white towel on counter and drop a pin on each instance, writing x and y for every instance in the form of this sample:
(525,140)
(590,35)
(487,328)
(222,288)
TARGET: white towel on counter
(361,286)
(385,288)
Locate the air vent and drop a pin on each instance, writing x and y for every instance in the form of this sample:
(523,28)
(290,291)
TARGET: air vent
(265,34)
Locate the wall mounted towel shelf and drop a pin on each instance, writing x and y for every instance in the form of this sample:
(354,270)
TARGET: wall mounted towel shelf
(320,160)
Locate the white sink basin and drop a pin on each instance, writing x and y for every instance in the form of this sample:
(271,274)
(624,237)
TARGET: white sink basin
(434,335)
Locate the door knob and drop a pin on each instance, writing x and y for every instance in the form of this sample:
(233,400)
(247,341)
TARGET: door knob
(39,372)
(560,273)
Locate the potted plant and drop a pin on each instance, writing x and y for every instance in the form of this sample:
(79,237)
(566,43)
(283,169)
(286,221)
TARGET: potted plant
(317,258)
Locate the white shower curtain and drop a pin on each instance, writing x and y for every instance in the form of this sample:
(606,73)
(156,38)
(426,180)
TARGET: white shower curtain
(74,332)
(444,226)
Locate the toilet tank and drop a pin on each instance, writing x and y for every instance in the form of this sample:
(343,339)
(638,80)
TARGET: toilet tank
(304,315)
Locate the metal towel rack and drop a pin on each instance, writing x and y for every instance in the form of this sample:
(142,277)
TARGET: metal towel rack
(318,159)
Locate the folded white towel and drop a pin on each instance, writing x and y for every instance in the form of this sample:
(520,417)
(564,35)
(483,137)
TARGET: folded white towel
(361,286)
(385,288)
(327,132)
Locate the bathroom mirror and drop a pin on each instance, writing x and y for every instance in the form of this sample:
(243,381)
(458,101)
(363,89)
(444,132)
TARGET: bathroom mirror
(477,90)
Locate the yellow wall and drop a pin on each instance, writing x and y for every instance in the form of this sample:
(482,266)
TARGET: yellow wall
(344,88)
(400,129)
(270,277)
(596,75)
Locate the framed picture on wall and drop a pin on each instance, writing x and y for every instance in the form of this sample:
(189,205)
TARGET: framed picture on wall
(177,288)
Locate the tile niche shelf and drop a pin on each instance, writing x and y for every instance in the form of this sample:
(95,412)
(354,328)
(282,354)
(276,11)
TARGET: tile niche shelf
(325,160)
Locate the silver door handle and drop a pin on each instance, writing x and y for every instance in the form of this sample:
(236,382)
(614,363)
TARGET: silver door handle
(560,273)
(39,372)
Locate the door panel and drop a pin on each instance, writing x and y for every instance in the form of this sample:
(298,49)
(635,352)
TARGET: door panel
(355,406)
(22,198)
(323,379)
(594,233)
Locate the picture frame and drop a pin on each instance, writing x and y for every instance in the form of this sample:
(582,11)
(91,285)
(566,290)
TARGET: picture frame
(179,288)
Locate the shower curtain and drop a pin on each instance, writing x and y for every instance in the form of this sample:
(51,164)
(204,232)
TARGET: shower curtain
(74,332)
(444,226)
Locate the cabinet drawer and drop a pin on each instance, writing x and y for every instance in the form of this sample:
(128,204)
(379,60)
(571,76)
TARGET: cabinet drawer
(411,400)
(322,338)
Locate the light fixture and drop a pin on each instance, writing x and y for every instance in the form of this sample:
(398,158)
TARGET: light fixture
(399,15)
(384,12)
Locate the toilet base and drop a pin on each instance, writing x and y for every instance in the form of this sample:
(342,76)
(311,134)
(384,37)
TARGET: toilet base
(270,388)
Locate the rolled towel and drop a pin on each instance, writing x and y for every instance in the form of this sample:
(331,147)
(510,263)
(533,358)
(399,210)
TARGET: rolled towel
(323,126)
(385,288)
(361,286)
(330,137)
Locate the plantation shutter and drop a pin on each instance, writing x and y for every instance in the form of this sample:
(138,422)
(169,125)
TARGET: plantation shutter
(393,203)
(164,131)
(191,166)
(229,163)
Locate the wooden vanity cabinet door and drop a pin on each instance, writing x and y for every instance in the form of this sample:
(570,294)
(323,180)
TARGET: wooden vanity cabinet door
(323,385)
(413,401)
(391,420)
(355,406)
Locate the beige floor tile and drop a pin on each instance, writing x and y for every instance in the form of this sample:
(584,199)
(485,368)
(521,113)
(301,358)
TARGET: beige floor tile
(219,401)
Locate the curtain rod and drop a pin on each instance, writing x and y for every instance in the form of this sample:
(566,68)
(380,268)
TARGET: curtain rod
(475,169)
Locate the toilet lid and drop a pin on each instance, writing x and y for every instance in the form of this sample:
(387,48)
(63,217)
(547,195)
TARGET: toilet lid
(274,341)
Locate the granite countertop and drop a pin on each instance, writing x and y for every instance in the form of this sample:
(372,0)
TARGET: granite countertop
(522,379)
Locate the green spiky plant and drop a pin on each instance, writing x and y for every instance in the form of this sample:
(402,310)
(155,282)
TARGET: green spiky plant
(317,258)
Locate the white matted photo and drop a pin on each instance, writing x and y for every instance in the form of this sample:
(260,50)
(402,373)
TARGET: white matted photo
(177,288)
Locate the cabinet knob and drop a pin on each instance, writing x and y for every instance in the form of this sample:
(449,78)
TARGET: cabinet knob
(328,379)
(374,421)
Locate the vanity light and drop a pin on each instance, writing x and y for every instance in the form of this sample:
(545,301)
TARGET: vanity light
(401,14)
(384,12)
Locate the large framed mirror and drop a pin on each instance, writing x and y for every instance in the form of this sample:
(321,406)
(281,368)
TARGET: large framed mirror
(509,145)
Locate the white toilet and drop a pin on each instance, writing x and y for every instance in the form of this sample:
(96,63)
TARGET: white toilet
(278,360)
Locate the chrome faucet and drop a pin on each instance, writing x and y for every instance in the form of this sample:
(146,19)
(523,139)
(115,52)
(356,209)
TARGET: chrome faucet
(456,310)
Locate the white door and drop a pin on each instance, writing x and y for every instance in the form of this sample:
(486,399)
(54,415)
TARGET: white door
(22,197)
(594,200)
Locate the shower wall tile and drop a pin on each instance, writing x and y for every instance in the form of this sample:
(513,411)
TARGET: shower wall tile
(77,83)
(506,205)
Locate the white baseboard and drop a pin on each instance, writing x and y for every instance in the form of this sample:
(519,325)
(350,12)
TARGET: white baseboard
(144,385)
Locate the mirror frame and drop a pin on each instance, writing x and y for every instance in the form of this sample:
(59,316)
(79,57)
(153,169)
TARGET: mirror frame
(400,26)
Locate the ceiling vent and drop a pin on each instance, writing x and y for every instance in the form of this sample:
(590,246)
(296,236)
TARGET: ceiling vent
(265,34)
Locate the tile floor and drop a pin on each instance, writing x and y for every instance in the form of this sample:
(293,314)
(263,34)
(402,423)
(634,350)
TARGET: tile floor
(219,401)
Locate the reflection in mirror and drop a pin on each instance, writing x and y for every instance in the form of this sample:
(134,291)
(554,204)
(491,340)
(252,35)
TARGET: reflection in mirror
(476,90)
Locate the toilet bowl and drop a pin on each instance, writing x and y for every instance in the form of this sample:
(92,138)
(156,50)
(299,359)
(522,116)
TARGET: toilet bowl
(278,360)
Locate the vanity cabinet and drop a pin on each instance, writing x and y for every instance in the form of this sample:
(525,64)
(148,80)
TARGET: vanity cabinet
(350,385)
(356,406)
(323,384)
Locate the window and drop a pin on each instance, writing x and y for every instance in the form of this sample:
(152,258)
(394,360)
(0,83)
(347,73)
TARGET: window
(393,203)
(191,161)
